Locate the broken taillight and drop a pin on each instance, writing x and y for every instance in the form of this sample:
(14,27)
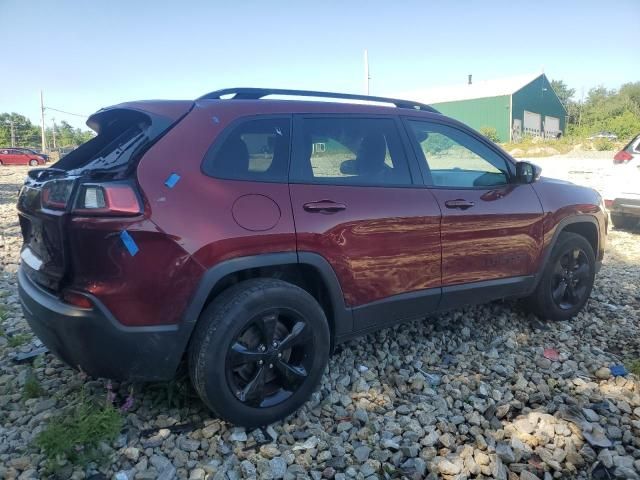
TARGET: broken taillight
(56,194)
(114,199)
(107,199)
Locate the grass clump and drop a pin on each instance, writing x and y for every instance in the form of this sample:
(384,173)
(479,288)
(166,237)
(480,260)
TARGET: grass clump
(491,133)
(75,436)
(32,387)
(634,366)
(18,340)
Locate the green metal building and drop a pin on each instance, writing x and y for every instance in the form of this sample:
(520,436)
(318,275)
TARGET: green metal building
(516,106)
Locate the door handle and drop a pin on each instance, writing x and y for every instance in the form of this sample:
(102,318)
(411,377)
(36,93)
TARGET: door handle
(459,203)
(324,206)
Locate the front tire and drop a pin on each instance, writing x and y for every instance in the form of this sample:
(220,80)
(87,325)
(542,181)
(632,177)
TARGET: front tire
(567,279)
(259,351)
(33,163)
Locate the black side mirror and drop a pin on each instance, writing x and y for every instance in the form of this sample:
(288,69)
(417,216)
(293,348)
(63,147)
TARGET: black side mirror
(527,172)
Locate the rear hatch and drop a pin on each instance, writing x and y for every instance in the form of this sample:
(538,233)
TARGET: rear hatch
(96,179)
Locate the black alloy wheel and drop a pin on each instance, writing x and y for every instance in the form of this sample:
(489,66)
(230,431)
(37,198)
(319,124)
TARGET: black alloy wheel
(571,276)
(258,351)
(564,285)
(270,358)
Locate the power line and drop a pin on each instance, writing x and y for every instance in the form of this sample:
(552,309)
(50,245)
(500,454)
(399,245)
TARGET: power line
(68,113)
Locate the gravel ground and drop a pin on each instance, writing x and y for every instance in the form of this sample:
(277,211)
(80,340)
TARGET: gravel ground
(467,394)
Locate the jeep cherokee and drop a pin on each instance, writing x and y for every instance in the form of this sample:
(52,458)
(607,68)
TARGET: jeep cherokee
(249,235)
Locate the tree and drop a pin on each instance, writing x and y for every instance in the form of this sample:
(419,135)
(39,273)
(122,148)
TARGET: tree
(67,136)
(563,91)
(26,134)
(631,91)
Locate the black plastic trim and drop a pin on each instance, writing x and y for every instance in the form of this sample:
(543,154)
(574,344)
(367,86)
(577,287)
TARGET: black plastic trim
(562,224)
(342,320)
(473,293)
(398,308)
(90,339)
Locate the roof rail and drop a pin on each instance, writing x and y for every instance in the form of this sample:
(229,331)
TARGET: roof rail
(257,93)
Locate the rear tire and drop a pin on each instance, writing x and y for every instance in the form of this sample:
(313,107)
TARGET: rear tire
(567,279)
(623,221)
(259,351)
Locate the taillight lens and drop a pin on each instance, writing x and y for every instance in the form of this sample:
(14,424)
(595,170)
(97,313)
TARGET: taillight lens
(622,157)
(56,194)
(608,203)
(107,199)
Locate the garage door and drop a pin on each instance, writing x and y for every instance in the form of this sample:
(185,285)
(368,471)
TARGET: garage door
(551,126)
(531,123)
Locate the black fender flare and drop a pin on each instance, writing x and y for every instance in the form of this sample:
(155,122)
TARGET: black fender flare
(562,224)
(342,321)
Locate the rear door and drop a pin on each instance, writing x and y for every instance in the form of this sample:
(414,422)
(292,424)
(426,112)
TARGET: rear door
(491,226)
(356,204)
(15,157)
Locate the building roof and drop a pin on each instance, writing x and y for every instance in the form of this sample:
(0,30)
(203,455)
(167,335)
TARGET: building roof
(477,89)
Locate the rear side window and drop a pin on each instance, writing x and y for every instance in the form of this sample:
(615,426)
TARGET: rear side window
(254,150)
(350,151)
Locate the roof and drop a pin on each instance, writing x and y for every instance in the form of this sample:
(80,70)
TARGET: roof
(478,89)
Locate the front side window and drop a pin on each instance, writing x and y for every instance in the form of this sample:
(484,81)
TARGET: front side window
(456,159)
(350,151)
(254,150)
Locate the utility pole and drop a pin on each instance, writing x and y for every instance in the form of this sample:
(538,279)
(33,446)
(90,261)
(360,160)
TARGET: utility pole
(54,133)
(367,77)
(13,133)
(44,140)
(581,106)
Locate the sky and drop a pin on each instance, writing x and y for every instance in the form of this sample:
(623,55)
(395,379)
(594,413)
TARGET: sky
(85,55)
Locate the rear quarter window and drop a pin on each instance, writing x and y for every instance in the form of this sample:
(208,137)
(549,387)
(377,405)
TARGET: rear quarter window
(251,150)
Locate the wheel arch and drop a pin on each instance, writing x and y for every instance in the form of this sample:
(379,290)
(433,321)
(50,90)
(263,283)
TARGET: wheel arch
(583,225)
(309,271)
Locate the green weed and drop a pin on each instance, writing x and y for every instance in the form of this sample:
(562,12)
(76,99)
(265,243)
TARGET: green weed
(32,387)
(18,340)
(75,435)
(634,366)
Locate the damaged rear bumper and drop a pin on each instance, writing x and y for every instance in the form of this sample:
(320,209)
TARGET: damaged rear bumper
(93,341)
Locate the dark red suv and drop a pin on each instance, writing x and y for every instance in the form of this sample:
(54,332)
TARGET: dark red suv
(250,235)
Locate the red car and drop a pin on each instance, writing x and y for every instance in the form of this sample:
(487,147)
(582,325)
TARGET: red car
(20,156)
(251,235)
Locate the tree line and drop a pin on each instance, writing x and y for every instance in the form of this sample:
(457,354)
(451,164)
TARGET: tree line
(615,110)
(26,134)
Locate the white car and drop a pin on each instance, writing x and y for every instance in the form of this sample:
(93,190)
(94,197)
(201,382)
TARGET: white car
(630,154)
(622,195)
(607,135)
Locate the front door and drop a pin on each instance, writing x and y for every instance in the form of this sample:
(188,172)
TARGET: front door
(491,226)
(356,203)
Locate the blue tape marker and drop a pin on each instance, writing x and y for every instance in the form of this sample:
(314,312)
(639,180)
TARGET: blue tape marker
(618,370)
(172,180)
(129,242)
